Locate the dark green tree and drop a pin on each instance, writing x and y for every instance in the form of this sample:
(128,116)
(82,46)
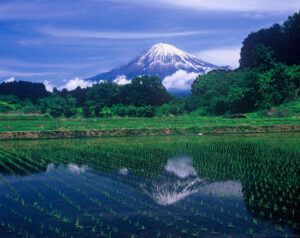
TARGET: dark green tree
(57,106)
(101,95)
(211,90)
(278,85)
(143,91)
(107,93)
(70,109)
(263,57)
(283,40)
(23,90)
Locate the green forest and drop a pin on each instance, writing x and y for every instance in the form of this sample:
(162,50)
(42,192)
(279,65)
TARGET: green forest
(268,76)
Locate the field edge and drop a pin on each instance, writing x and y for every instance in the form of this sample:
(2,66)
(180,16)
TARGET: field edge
(213,130)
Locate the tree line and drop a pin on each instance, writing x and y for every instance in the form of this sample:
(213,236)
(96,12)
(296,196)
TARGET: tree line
(269,75)
(143,97)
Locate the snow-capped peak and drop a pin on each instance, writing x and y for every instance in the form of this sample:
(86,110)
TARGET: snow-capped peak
(168,54)
(163,52)
(161,60)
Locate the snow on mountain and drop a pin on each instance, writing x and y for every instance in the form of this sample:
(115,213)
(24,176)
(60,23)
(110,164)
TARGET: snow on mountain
(175,67)
(168,55)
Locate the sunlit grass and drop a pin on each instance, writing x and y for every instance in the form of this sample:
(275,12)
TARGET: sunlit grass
(41,123)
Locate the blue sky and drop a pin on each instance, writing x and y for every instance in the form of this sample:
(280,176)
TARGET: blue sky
(62,42)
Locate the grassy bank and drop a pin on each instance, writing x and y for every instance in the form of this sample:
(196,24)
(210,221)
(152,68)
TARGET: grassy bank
(39,126)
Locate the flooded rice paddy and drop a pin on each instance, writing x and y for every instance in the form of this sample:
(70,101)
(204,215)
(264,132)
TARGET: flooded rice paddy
(151,187)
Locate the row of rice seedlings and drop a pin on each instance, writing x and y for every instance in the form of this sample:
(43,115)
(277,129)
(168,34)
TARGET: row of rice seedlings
(19,166)
(11,229)
(63,182)
(50,211)
(58,214)
(168,212)
(105,156)
(100,188)
(69,201)
(21,203)
(256,189)
(249,171)
(225,218)
(31,222)
(254,220)
(218,205)
(234,169)
(131,202)
(145,212)
(116,179)
(101,204)
(195,226)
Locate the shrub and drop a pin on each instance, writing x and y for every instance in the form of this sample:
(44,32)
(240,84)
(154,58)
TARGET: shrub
(5,107)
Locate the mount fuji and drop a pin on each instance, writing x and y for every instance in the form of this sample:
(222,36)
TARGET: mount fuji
(176,68)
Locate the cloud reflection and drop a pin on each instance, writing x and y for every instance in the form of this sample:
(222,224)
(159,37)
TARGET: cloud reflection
(181,180)
(77,169)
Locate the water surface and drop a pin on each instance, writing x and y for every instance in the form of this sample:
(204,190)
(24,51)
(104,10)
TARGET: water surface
(151,187)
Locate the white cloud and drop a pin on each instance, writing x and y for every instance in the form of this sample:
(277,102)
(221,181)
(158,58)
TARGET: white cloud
(77,82)
(222,56)
(9,80)
(265,6)
(180,80)
(122,79)
(77,33)
(48,86)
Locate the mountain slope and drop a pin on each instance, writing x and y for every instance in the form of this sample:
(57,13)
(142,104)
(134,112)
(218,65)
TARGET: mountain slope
(160,60)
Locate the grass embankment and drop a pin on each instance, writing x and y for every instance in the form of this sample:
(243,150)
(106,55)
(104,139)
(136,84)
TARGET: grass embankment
(39,126)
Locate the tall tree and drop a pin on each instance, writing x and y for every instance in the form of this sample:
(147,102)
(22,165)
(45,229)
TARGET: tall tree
(23,90)
(283,40)
(143,91)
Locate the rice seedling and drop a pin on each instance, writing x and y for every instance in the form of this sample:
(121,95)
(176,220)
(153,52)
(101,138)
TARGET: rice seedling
(191,186)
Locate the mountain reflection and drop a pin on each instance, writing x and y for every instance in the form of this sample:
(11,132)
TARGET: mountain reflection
(179,181)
